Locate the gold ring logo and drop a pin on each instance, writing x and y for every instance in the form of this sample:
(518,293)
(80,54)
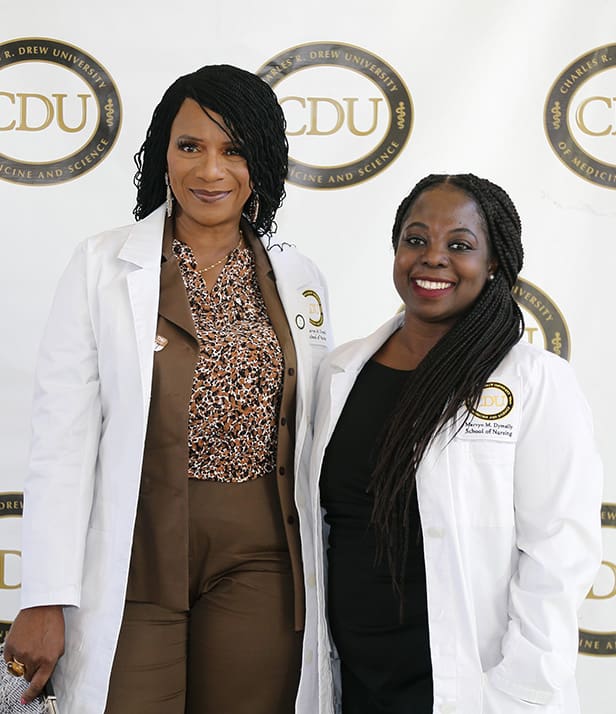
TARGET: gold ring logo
(550,320)
(377,123)
(495,403)
(579,121)
(315,308)
(593,642)
(88,119)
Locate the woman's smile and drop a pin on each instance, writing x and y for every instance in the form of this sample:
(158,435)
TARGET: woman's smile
(431,288)
(209,196)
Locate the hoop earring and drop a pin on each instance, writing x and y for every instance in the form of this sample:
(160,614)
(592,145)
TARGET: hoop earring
(169,196)
(253,208)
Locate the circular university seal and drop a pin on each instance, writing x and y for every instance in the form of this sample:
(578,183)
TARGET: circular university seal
(39,143)
(579,116)
(547,315)
(324,69)
(495,403)
(598,617)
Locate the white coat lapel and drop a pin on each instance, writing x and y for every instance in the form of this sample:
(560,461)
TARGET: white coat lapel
(302,295)
(340,385)
(352,356)
(143,249)
(299,289)
(344,366)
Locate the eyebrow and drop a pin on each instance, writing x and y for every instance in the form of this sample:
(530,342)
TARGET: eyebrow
(196,139)
(419,224)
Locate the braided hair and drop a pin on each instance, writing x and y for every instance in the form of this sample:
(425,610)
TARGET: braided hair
(253,119)
(454,372)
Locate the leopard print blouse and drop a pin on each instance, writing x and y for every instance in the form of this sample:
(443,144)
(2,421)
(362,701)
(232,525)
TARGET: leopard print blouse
(233,410)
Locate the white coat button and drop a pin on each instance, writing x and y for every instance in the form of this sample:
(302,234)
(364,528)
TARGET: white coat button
(311,580)
(436,532)
(448,708)
(309,656)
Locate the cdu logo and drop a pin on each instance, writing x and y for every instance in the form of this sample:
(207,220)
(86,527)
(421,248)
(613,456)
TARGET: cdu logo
(60,111)
(598,619)
(349,113)
(580,116)
(544,323)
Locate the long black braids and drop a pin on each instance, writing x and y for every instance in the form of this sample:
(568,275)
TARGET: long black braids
(453,373)
(253,119)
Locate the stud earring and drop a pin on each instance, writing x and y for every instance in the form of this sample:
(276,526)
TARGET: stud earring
(491,276)
(169,196)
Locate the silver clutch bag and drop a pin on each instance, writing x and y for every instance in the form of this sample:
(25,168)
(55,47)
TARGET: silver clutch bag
(12,689)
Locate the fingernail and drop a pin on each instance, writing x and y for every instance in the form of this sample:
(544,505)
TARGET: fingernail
(23,701)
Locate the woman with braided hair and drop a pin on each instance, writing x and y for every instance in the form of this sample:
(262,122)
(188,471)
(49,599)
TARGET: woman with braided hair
(459,480)
(162,571)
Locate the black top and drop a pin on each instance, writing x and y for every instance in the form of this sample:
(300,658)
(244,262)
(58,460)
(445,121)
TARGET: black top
(385,655)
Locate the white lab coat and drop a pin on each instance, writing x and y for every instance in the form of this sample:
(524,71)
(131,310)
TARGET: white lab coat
(510,512)
(92,394)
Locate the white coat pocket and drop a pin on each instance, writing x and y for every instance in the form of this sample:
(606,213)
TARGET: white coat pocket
(496,702)
(482,478)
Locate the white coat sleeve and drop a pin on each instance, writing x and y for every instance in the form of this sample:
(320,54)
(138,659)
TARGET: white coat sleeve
(66,425)
(557,500)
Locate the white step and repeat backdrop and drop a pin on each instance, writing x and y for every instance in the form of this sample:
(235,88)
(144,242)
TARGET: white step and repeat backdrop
(376,96)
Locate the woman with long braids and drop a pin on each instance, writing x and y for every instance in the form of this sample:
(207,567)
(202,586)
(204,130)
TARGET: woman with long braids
(460,483)
(162,571)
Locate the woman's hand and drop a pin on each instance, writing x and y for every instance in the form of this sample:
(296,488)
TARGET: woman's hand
(36,639)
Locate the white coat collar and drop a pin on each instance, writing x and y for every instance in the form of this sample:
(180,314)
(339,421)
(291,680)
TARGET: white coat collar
(139,246)
(352,356)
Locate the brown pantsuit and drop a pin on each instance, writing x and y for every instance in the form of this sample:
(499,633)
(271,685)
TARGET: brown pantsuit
(214,607)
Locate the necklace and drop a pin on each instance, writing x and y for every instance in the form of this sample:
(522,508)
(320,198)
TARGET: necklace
(222,260)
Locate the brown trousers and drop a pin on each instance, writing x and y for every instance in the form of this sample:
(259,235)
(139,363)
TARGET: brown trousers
(235,651)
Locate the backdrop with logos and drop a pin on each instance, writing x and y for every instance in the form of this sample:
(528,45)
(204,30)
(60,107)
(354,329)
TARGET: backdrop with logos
(375,96)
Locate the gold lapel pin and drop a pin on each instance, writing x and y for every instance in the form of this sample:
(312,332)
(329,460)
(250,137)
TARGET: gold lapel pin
(160,343)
